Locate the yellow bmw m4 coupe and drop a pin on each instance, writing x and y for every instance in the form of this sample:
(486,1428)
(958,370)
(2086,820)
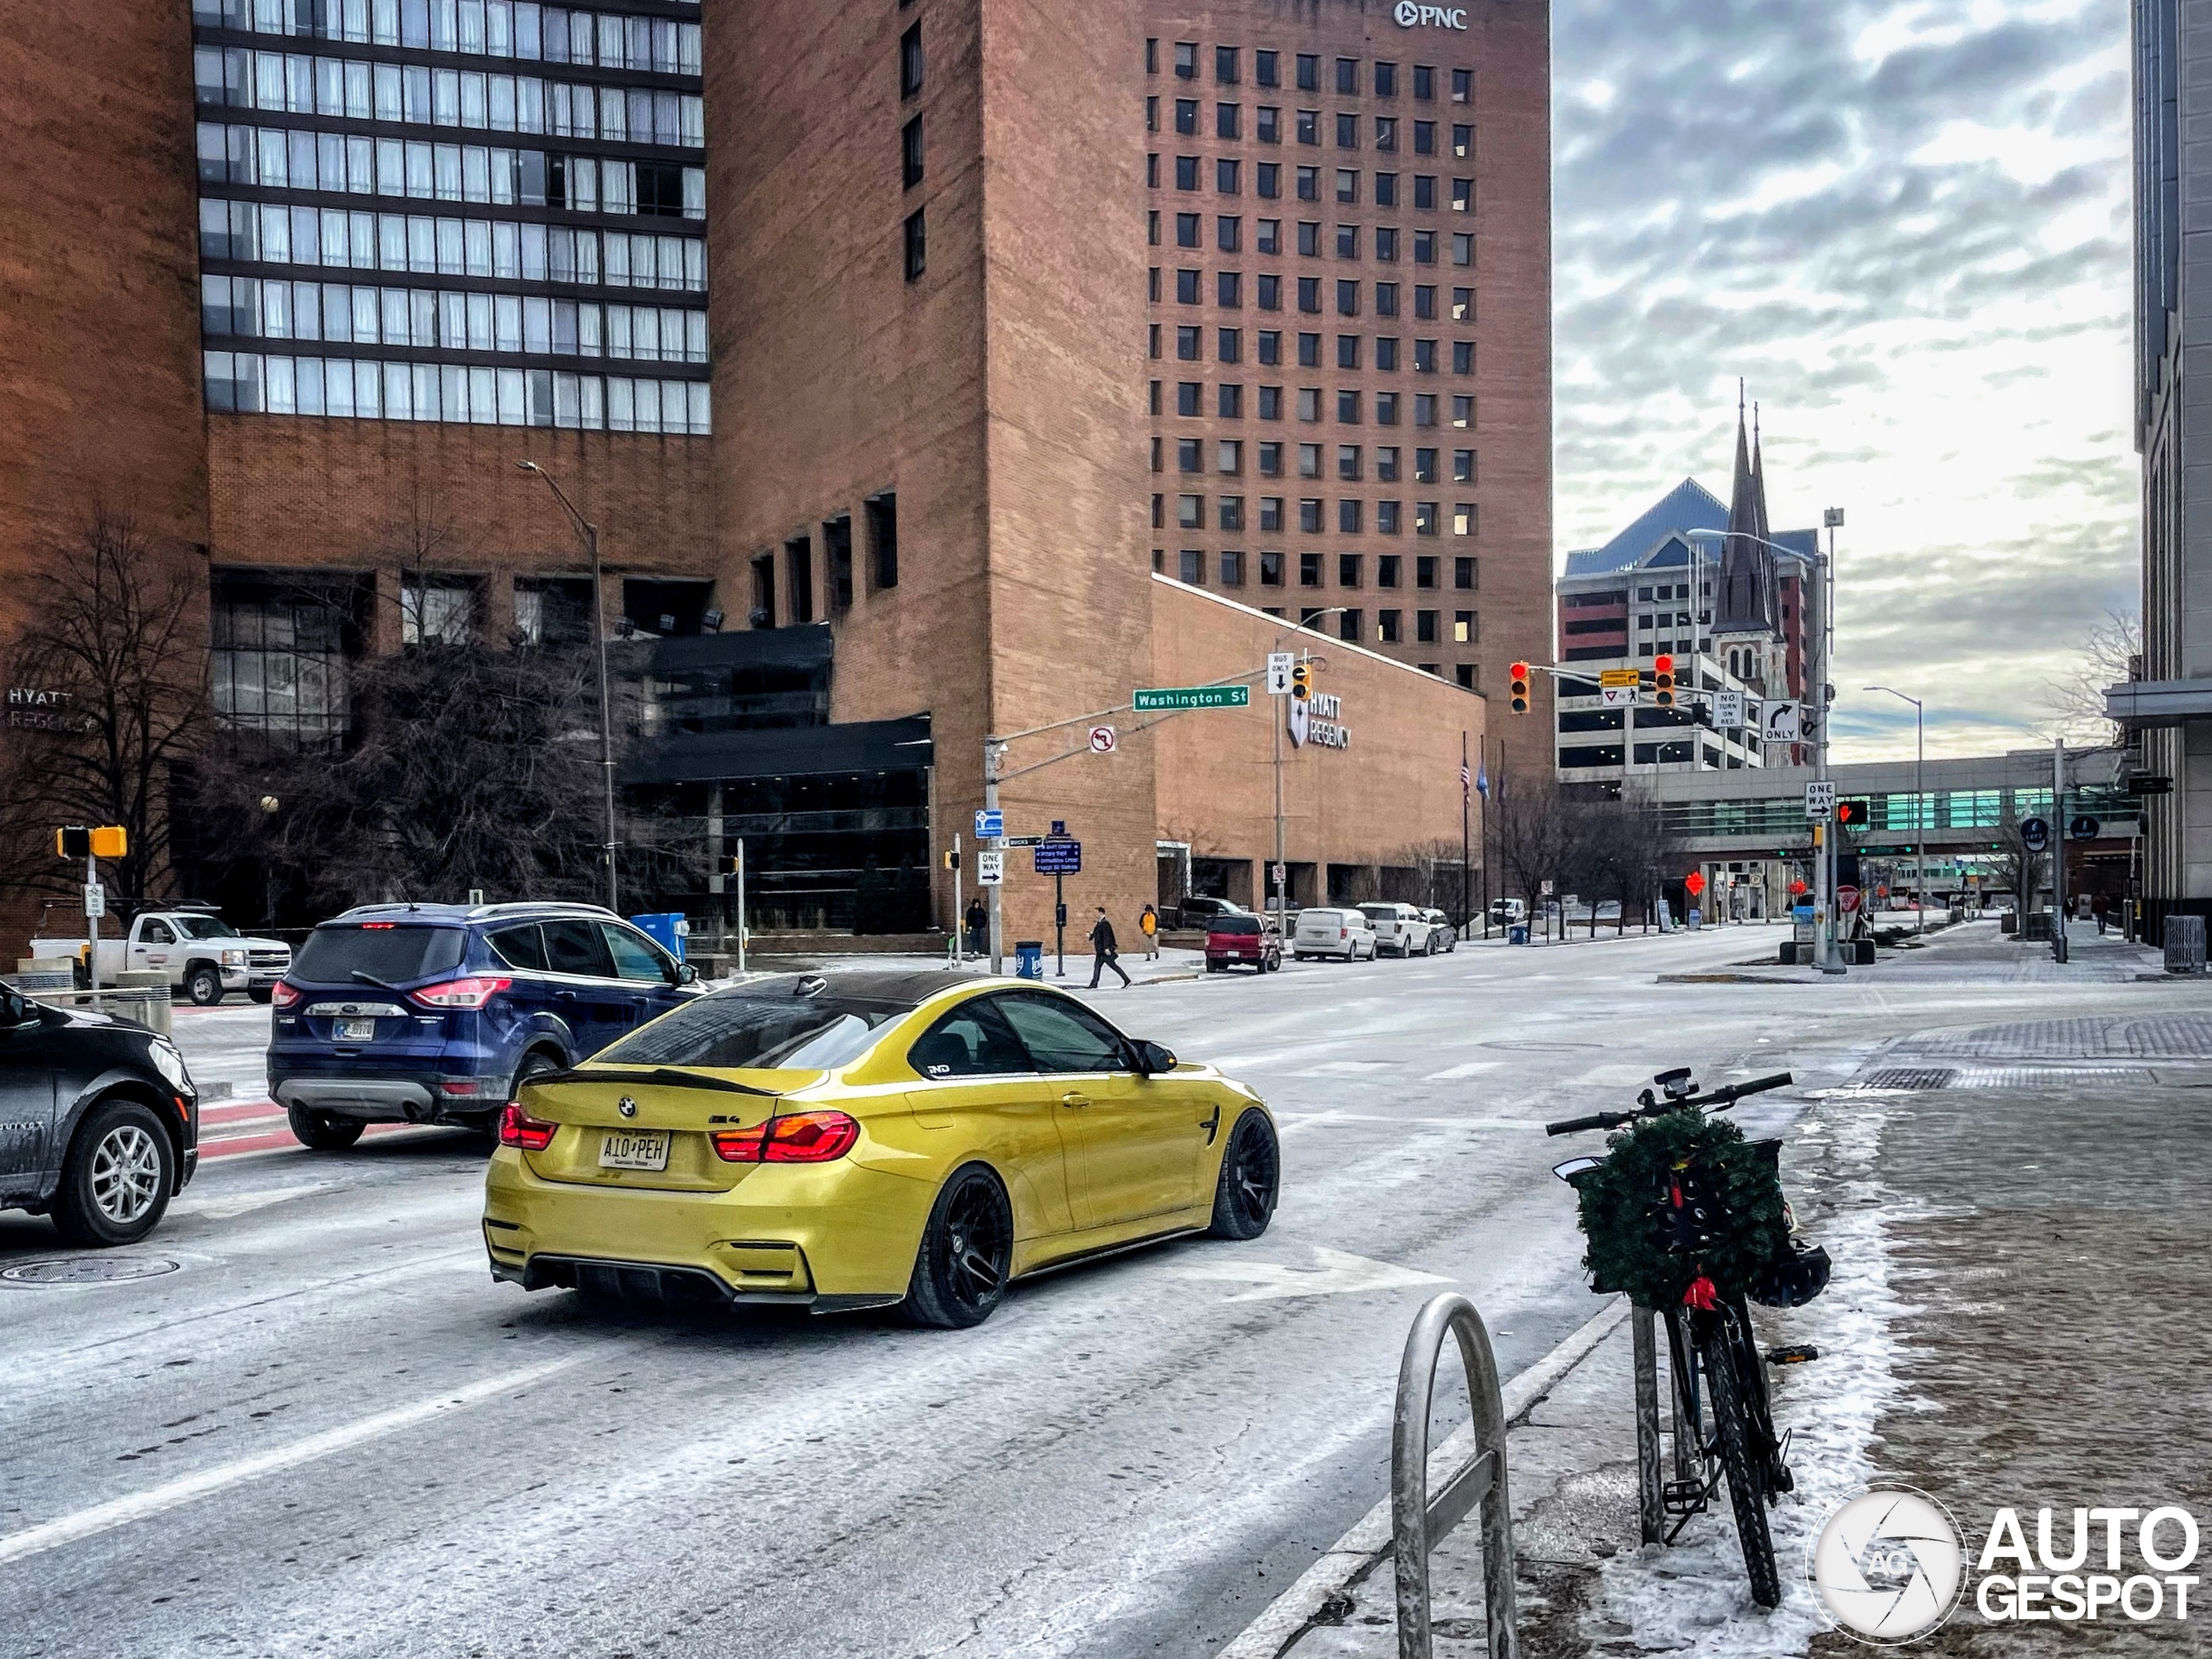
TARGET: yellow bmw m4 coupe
(865,1140)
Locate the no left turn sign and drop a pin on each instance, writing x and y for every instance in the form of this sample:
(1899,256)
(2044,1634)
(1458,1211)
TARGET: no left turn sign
(1102,739)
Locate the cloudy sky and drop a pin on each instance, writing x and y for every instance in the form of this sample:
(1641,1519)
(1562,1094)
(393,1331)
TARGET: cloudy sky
(1906,226)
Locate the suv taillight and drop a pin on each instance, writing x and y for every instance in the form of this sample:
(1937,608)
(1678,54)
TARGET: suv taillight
(518,1128)
(282,994)
(803,1137)
(472,993)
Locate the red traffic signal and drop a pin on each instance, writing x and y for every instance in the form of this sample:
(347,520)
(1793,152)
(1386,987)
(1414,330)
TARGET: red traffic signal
(1662,680)
(1520,688)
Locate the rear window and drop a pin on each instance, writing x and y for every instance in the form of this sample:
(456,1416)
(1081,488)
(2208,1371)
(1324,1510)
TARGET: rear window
(1379,912)
(733,1032)
(381,950)
(1235,924)
(1321,918)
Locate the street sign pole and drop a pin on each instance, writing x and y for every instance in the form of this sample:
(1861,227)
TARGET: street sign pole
(1059,924)
(992,750)
(2058,852)
(960,921)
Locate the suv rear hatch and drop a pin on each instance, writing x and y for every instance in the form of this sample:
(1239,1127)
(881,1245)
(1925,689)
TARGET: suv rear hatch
(353,981)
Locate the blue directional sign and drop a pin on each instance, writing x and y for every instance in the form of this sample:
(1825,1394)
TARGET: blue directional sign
(990,823)
(2084,828)
(1058,858)
(2036,834)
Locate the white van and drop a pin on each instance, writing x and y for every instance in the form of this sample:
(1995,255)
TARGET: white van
(1345,932)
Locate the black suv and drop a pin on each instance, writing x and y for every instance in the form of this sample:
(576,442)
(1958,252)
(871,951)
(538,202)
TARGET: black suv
(100,1121)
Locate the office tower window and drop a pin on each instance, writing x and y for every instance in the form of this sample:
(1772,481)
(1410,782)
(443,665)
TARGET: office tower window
(1270,570)
(1464,672)
(837,559)
(1463,466)
(1270,346)
(1192,567)
(1386,517)
(1268,235)
(1267,125)
(1426,517)
(1187,396)
(1462,85)
(1462,142)
(1186,117)
(1348,570)
(1186,60)
(1231,511)
(1463,628)
(1347,241)
(1309,403)
(1309,73)
(1229,460)
(1388,568)
(1464,518)
(1386,305)
(1463,195)
(1386,80)
(1462,411)
(1348,518)
(1347,351)
(1463,305)
(910,152)
(910,61)
(1186,173)
(1309,294)
(1187,286)
(1271,514)
(1309,461)
(1232,569)
(1265,68)
(1387,627)
(1308,351)
(1424,81)
(1309,126)
(1309,185)
(1425,628)
(1225,65)
(1270,402)
(1191,511)
(1464,572)
(1228,120)
(1347,78)
(883,541)
(917,244)
(1348,407)
(1231,403)
(1386,353)
(1387,463)
(1424,466)
(1188,338)
(1387,245)
(1226,175)
(1309,569)
(1350,626)
(1309,517)
(1267,180)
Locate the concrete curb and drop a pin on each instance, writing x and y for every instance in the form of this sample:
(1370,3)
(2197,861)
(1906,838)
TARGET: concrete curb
(1368,1543)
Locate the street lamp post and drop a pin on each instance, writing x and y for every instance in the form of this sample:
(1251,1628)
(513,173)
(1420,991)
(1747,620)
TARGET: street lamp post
(1920,807)
(589,532)
(1822,695)
(1282,883)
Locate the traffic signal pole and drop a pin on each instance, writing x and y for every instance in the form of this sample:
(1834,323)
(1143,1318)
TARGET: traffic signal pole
(1823,894)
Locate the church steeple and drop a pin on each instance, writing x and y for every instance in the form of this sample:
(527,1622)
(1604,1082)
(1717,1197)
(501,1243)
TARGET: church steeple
(1747,580)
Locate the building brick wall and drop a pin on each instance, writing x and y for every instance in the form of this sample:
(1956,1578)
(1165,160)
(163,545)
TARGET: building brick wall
(1395,787)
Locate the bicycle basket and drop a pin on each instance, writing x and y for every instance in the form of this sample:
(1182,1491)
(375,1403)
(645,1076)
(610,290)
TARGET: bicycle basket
(1679,1196)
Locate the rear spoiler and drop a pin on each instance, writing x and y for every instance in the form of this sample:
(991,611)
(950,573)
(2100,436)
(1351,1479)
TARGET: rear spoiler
(660,1077)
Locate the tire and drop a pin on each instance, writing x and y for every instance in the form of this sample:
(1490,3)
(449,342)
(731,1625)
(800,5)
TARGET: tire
(967,1250)
(323,1131)
(264,995)
(121,1170)
(1251,1180)
(536,1063)
(1746,1487)
(203,986)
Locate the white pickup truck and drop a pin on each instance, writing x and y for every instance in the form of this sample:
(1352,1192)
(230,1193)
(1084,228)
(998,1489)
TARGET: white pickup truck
(204,956)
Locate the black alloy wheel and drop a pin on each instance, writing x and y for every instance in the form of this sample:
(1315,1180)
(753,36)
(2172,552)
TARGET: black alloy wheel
(967,1253)
(1252,1179)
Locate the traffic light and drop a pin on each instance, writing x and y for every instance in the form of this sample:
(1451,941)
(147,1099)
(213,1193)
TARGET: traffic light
(1854,814)
(74,843)
(952,859)
(1662,681)
(110,841)
(1520,688)
(1302,681)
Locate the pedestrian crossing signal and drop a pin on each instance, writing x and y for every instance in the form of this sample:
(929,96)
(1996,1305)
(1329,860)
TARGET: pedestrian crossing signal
(1520,688)
(1662,681)
(1854,814)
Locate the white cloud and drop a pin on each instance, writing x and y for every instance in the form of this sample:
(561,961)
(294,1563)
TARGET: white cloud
(1907,226)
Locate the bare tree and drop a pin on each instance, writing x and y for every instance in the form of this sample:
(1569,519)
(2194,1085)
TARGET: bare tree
(1626,852)
(1534,836)
(2110,654)
(113,697)
(1442,879)
(469,766)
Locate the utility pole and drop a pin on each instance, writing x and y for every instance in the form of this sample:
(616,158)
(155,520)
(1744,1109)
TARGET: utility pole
(1467,847)
(2060,837)
(1824,900)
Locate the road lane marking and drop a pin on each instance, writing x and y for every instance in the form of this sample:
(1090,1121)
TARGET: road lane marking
(239,1204)
(1467,1069)
(1334,1272)
(121,1511)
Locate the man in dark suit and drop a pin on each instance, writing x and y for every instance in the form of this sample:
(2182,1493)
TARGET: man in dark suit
(1107,951)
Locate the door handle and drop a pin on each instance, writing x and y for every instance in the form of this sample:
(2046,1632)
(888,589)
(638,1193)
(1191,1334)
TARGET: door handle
(1072,1098)
(564,996)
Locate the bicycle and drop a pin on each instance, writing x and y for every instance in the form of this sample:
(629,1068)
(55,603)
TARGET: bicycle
(1679,1190)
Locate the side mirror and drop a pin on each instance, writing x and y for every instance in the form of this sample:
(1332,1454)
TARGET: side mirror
(1152,1059)
(685,973)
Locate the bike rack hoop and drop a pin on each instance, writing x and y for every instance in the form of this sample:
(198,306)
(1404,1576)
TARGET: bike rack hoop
(1418,1521)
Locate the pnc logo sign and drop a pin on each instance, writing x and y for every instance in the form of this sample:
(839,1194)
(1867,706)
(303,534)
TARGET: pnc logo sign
(1412,16)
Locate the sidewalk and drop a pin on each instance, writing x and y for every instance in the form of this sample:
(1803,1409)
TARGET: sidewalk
(1170,965)
(1975,950)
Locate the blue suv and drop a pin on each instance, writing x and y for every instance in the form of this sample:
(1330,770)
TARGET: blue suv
(433,1014)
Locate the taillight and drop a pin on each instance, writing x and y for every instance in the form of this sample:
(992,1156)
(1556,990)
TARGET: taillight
(282,994)
(803,1137)
(518,1128)
(471,993)
(1343,933)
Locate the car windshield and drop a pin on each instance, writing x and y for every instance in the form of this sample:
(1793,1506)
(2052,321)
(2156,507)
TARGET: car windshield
(1235,924)
(378,950)
(204,927)
(734,1031)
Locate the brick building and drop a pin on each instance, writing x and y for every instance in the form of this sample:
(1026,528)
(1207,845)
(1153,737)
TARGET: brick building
(860,332)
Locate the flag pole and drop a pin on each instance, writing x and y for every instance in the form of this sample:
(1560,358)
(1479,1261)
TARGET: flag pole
(1466,850)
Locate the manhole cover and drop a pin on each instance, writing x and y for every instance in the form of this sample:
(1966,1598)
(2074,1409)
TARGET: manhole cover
(88,1270)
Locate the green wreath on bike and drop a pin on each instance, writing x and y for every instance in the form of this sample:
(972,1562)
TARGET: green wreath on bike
(1618,1199)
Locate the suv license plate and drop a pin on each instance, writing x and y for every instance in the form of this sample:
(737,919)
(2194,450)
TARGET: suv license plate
(356,1031)
(626,1149)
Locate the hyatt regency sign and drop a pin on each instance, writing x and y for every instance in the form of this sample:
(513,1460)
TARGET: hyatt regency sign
(1412,16)
(1319,721)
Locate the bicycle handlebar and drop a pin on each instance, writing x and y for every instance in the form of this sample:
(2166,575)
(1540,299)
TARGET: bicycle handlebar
(1717,1100)
(1596,1120)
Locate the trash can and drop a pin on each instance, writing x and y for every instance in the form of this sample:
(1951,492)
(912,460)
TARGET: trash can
(666,928)
(1028,959)
(1518,934)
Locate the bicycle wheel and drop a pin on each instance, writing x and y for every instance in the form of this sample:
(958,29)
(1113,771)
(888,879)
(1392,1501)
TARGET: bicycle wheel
(1741,1463)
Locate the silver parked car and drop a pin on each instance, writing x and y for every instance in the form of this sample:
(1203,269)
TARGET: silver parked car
(1330,932)
(1442,935)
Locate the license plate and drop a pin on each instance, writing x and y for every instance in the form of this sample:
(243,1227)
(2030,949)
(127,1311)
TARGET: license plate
(628,1148)
(357,1030)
